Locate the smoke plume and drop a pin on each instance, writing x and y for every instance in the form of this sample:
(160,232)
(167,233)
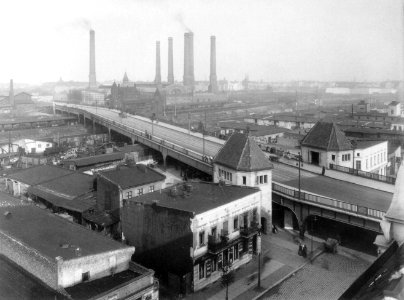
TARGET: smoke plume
(180,19)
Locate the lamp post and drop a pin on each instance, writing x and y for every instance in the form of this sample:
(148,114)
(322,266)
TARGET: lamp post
(300,164)
(259,257)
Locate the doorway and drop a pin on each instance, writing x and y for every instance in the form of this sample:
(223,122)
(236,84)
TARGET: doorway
(315,157)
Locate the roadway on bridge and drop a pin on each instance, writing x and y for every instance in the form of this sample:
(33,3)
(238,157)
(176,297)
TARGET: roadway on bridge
(317,184)
(174,134)
(333,188)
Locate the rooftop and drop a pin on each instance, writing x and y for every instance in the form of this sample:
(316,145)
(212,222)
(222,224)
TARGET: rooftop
(94,288)
(359,144)
(394,103)
(254,130)
(241,153)
(92,160)
(73,191)
(7,200)
(326,136)
(199,198)
(132,176)
(51,235)
(39,174)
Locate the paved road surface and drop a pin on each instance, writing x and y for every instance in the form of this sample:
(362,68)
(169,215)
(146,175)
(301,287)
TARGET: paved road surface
(287,175)
(340,190)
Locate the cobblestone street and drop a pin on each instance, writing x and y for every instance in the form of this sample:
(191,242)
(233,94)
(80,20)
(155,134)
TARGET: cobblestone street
(327,278)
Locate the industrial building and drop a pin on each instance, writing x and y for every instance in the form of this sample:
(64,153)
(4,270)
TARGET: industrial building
(71,259)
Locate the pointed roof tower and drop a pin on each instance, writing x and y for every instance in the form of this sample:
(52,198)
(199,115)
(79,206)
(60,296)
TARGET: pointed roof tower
(125,78)
(326,136)
(241,153)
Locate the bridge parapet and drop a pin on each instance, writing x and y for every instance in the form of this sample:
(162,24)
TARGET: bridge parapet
(327,202)
(151,140)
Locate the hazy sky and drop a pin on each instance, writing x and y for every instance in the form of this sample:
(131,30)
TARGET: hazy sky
(272,40)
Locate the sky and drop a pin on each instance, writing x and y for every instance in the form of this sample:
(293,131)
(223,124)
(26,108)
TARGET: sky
(270,40)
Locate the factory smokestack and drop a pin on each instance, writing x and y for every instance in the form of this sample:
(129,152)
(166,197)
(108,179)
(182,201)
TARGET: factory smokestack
(213,76)
(92,78)
(170,77)
(11,94)
(189,59)
(157,79)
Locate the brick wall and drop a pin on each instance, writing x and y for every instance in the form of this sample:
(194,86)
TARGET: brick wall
(162,236)
(44,268)
(98,266)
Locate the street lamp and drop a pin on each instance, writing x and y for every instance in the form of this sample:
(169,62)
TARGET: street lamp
(259,257)
(300,164)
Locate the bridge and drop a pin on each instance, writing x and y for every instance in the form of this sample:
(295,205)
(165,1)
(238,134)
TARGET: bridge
(332,199)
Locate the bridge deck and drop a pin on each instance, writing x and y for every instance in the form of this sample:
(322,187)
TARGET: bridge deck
(316,184)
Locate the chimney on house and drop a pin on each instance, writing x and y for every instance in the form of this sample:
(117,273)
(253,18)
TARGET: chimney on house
(157,79)
(213,76)
(92,77)
(170,77)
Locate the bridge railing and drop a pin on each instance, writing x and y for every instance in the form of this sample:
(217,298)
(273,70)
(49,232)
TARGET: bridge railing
(150,137)
(341,205)
(360,173)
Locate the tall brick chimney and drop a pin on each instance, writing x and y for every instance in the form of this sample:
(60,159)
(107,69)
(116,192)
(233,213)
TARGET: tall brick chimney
(11,94)
(157,79)
(213,76)
(92,78)
(188,59)
(170,77)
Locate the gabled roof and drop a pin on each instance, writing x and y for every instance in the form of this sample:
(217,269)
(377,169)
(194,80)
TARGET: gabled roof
(394,103)
(326,136)
(241,153)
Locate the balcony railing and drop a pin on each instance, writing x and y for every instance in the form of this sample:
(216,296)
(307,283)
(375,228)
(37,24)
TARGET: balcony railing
(248,231)
(218,242)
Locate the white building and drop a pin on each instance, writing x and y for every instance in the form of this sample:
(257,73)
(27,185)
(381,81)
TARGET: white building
(371,156)
(394,109)
(326,144)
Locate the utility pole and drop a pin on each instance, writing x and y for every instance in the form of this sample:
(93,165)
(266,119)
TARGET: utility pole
(203,135)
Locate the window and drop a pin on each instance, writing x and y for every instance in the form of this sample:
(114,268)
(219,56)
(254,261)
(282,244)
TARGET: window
(265,178)
(236,254)
(140,191)
(358,165)
(129,194)
(358,154)
(235,223)
(201,270)
(244,180)
(39,146)
(367,164)
(225,175)
(261,179)
(214,264)
(333,157)
(201,238)
(151,189)
(214,231)
(85,276)
(346,157)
